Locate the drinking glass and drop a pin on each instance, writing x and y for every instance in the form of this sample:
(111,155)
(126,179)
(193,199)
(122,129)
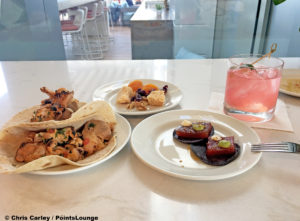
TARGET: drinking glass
(252,89)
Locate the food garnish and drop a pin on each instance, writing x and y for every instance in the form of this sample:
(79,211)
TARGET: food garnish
(216,137)
(224,144)
(198,126)
(139,96)
(186,123)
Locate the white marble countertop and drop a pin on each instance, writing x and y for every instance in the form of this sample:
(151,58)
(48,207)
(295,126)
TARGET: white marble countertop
(65,4)
(124,188)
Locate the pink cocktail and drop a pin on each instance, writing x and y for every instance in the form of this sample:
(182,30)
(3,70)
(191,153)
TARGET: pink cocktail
(251,91)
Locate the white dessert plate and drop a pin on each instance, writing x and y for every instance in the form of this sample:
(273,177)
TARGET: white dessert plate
(122,131)
(152,142)
(290,82)
(109,93)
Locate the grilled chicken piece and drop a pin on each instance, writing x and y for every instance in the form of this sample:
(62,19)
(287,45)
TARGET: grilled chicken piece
(56,106)
(69,151)
(56,138)
(94,133)
(51,112)
(52,149)
(30,151)
(74,153)
(65,142)
(61,96)
(74,105)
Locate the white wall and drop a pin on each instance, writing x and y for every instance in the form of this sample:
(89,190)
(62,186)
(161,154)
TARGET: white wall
(235,21)
(30,30)
(194,26)
(284,29)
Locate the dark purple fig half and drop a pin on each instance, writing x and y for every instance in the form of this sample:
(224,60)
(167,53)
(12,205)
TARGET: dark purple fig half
(192,141)
(200,151)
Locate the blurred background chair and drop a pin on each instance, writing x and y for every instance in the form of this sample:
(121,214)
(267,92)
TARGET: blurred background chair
(92,32)
(102,17)
(74,38)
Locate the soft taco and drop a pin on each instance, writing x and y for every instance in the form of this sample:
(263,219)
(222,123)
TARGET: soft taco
(85,138)
(60,106)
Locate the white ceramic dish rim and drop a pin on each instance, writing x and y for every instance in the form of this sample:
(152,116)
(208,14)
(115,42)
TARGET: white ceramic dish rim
(289,92)
(140,113)
(195,177)
(295,74)
(117,149)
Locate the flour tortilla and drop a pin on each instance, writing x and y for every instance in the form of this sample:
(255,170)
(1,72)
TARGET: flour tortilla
(22,119)
(11,138)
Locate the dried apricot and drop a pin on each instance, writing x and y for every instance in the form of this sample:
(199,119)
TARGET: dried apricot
(150,87)
(136,84)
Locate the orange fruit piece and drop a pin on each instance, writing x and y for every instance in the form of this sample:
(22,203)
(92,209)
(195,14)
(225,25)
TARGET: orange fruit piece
(150,87)
(136,84)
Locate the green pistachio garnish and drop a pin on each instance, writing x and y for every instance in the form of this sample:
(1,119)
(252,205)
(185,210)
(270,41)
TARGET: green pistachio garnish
(224,143)
(198,127)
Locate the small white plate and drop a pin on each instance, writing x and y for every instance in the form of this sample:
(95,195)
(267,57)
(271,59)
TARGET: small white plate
(109,93)
(286,75)
(152,141)
(289,92)
(123,132)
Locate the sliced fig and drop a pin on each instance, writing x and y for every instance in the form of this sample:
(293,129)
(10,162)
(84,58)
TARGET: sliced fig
(200,151)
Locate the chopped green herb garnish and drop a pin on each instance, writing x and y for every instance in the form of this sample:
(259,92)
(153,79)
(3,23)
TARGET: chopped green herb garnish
(60,131)
(91,125)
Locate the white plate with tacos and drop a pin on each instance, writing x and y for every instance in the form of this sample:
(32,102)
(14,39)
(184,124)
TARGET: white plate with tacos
(122,131)
(90,136)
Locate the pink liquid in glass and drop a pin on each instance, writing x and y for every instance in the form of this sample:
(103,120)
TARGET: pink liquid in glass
(251,94)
